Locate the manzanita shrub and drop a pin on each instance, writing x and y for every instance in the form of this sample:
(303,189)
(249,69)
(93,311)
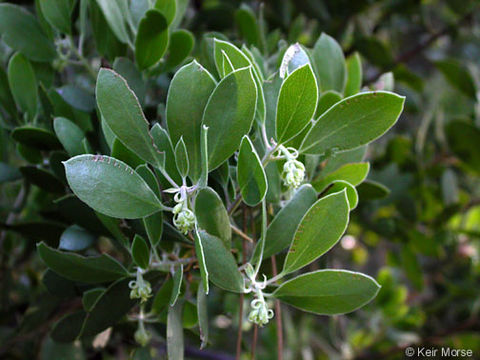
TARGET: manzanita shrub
(281,138)
(222,133)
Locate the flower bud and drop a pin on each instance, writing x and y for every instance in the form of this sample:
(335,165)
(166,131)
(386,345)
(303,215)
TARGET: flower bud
(293,173)
(140,288)
(142,336)
(184,220)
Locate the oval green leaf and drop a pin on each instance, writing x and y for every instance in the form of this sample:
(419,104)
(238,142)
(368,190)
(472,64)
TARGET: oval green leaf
(354,173)
(281,230)
(122,112)
(70,135)
(140,252)
(320,229)
(329,63)
(188,95)
(250,174)
(353,122)
(212,215)
(90,270)
(110,187)
(23,84)
(152,39)
(296,103)
(328,292)
(22,32)
(221,266)
(229,115)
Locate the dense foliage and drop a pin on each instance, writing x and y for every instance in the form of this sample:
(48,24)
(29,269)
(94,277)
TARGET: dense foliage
(204,180)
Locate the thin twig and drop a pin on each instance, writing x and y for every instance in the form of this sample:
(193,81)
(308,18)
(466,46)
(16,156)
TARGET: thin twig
(278,311)
(241,233)
(254,340)
(255,327)
(240,311)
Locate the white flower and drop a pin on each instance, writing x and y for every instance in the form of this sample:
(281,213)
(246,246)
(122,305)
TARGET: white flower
(140,288)
(293,173)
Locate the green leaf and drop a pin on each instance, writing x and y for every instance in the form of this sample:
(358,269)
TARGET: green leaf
(70,135)
(221,266)
(329,64)
(320,229)
(68,328)
(35,137)
(77,97)
(295,57)
(76,238)
(353,122)
(212,216)
(281,230)
(23,84)
(200,254)
(372,190)
(458,76)
(463,139)
(237,58)
(227,66)
(229,115)
(326,101)
(152,39)
(154,227)
(352,195)
(122,153)
(168,8)
(149,177)
(109,308)
(110,187)
(328,292)
(181,158)
(175,346)
(250,174)
(354,74)
(140,252)
(162,297)
(112,10)
(122,112)
(57,13)
(21,31)
(188,95)
(90,270)
(59,286)
(6,100)
(177,285)
(247,25)
(296,103)
(162,142)
(354,173)
(181,45)
(202,313)
(127,69)
(90,297)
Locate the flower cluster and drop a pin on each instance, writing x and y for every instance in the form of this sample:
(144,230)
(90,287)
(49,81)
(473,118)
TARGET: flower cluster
(183,218)
(293,173)
(140,288)
(260,313)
